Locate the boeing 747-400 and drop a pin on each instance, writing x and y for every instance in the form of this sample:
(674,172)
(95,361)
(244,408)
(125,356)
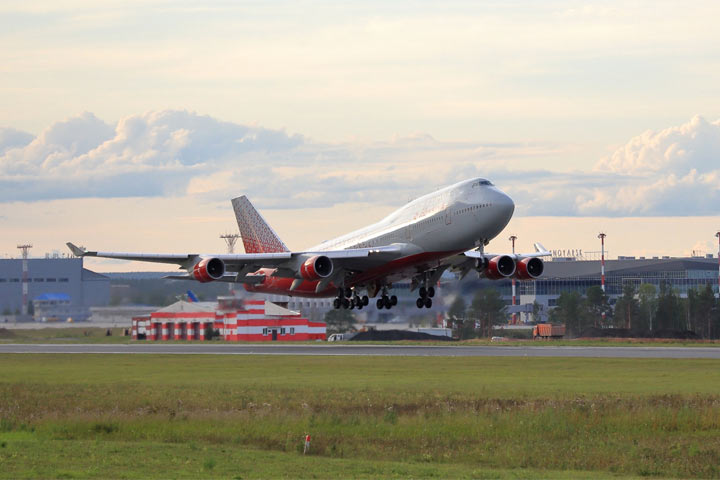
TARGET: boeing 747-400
(444,230)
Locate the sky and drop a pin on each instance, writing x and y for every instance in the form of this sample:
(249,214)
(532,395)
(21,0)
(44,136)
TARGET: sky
(129,125)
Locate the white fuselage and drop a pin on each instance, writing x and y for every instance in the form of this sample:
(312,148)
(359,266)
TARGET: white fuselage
(427,230)
(455,218)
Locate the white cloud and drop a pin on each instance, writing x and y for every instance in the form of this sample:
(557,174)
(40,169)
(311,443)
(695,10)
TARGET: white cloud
(694,145)
(11,138)
(179,153)
(675,171)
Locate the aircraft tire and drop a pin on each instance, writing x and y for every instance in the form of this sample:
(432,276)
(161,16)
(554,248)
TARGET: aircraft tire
(365,300)
(336,303)
(420,303)
(423,292)
(380,303)
(428,302)
(431,292)
(393,300)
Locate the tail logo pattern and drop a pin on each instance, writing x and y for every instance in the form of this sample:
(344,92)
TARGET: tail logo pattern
(257,235)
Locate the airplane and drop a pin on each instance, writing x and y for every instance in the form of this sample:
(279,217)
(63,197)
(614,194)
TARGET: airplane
(444,230)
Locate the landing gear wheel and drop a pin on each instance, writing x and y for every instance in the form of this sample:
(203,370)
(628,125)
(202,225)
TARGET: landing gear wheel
(345,303)
(336,303)
(380,304)
(431,292)
(423,292)
(393,300)
(348,292)
(428,302)
(365,300)
(388,306)
(420,303)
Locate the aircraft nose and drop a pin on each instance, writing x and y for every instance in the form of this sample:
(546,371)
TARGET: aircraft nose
(504,206)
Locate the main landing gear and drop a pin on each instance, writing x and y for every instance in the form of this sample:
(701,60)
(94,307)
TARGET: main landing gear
(349,298)
(385,301)
(425,299)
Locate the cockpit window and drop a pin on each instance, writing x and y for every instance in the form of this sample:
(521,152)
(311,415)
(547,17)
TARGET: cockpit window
(485,182)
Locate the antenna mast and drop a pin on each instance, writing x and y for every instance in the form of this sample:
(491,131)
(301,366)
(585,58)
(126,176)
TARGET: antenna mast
(25,248)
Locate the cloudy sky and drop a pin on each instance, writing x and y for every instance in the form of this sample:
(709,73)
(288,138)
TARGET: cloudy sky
(129,125)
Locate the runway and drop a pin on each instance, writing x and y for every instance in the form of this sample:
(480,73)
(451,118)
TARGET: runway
(369,350)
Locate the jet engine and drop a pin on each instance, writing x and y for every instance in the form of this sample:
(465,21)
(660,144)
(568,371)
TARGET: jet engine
(209,270)
(502,266)
(316,268)
(529,268)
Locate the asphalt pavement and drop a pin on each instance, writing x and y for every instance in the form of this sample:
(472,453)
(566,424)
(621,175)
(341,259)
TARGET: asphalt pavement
(369,350)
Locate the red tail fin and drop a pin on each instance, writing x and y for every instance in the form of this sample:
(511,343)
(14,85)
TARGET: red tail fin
(257,235)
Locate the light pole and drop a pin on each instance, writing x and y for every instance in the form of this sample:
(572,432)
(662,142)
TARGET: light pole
(514,315)
(718,235)
(602,236)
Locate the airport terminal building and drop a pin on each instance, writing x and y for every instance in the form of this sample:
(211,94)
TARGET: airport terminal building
(58,288)
(564,275)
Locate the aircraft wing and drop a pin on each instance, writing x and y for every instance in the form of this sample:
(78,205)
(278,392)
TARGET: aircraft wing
(239,266)
(540,251)
(467,261)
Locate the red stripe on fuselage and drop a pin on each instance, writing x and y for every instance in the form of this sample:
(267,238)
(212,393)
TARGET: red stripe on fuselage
(281,285)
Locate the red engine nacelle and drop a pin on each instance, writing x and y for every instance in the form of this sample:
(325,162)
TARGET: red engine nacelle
(209,270)
(502,266)
(316,268)
(529,268)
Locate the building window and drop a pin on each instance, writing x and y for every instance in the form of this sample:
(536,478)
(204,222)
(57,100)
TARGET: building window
(15,280)
(64,280)
(3,280)
(51,279)
(292,330)
(265,332)
(38,280)
(282,331)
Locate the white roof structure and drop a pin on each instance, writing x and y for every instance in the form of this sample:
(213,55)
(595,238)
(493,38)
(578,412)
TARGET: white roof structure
(183,306)
(273,310)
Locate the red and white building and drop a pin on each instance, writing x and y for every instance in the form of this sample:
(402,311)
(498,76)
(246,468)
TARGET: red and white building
(232,319)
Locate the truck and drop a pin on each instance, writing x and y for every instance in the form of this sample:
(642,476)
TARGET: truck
(548,330)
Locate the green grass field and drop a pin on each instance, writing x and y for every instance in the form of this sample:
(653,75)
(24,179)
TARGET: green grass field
(181,416)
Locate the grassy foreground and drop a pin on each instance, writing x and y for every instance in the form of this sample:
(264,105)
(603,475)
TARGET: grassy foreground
(156,416)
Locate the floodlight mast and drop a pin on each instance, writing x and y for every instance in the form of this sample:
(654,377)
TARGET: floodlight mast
(602,236)
(514,315)
(25,248)
(718,235)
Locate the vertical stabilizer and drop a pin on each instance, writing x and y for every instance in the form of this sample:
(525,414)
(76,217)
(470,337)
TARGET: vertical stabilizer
(257,235)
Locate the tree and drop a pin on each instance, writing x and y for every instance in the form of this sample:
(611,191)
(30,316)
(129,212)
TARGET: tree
(705,309)
(339,321)
(669,311)
(597,307)
(489,309)
(569,312)
(627,309)
(648,305)
(536,311)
